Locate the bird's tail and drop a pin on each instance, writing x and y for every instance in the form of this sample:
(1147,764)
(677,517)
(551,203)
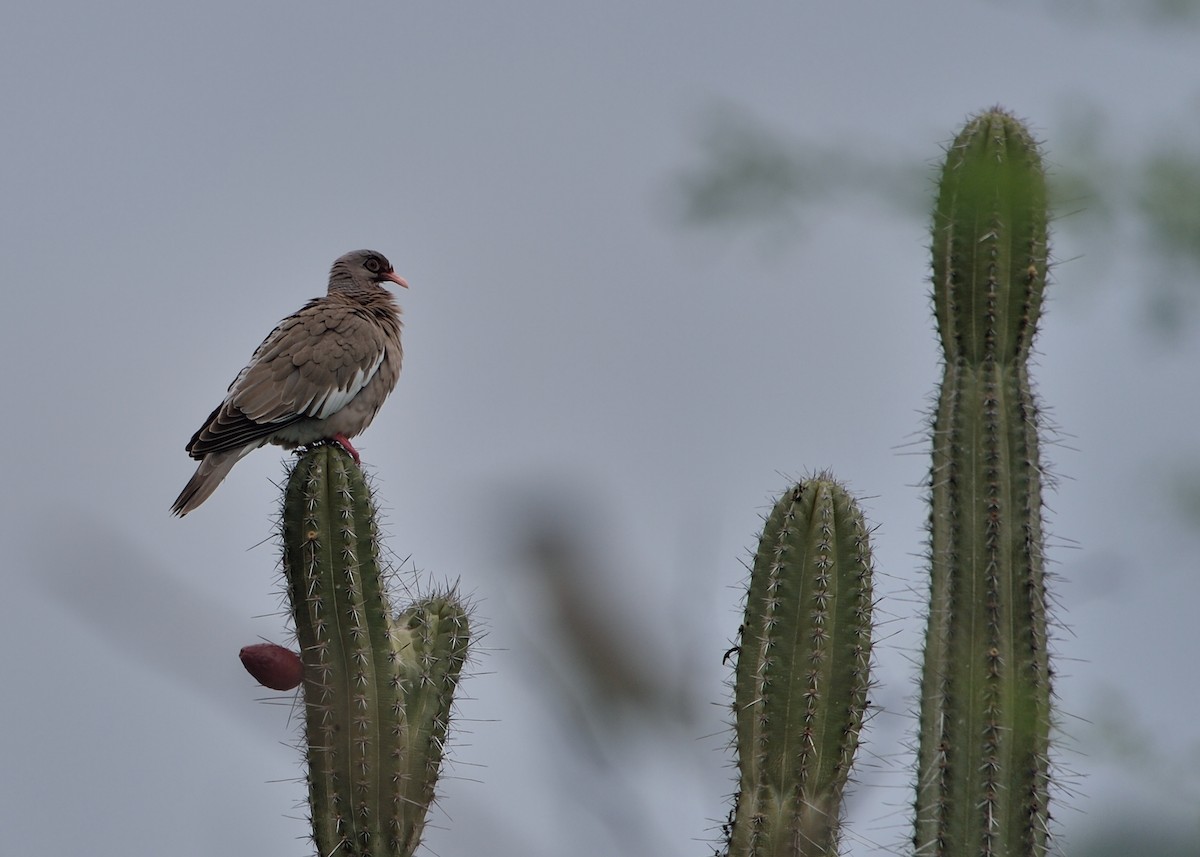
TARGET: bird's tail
(212,470)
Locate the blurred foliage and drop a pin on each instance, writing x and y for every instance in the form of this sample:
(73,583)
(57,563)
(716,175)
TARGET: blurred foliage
(1184,481)
(1169,193)
(1136,836)
(756,175)
(609,672)
(1147,202)
(608,669)
(1168,204)
(1150,13)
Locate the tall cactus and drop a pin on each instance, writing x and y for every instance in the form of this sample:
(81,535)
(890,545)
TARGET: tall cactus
(377,688)
(982,783)
(802,675)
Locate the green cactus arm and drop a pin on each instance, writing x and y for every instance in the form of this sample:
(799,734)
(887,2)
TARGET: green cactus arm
(990,242)
(431,639)
(802,674)
(982,783)
(377,692)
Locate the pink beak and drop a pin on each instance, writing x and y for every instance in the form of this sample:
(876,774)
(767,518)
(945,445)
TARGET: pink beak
(396,278)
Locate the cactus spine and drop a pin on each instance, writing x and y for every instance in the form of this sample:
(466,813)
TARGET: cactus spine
(802,675)
(985,690)
(377,689)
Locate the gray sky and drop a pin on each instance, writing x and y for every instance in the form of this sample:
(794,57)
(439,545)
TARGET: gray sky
(175,178)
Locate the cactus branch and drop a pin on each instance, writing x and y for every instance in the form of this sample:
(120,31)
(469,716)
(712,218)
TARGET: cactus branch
(802,672)
(377,690)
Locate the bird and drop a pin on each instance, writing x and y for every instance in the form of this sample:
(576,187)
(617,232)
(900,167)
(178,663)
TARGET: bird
(320,375)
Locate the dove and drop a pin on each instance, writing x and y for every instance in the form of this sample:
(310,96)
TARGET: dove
(321,374)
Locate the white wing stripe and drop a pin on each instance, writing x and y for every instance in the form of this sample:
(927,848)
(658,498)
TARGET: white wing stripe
(334,400)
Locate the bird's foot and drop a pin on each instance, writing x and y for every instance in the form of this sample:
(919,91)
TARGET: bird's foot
(344,442)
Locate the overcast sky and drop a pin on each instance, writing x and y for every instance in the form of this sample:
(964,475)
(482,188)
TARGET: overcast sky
(175,178)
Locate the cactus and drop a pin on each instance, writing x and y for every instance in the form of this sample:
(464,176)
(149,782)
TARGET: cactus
(802,675)
(982,781)
(377,689)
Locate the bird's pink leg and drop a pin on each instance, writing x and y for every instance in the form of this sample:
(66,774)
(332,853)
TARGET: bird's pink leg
(344,442)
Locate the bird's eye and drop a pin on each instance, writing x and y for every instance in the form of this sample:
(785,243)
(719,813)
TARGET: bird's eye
(372,264)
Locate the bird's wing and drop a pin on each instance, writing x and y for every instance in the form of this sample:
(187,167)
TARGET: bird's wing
(309,367)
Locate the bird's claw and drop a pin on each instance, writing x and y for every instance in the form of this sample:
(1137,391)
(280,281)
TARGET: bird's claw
(344,442)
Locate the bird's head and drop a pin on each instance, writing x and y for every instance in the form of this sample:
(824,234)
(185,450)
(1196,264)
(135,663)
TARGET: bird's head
(362,269)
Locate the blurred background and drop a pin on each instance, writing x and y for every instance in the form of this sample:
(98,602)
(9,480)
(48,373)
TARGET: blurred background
(664,258)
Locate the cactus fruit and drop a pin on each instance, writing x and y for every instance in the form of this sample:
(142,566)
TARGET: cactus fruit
(800,690)
(273,666)
(983,770)
(377,688)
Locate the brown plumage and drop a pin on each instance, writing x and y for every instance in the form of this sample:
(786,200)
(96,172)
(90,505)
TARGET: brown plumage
(322,374)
